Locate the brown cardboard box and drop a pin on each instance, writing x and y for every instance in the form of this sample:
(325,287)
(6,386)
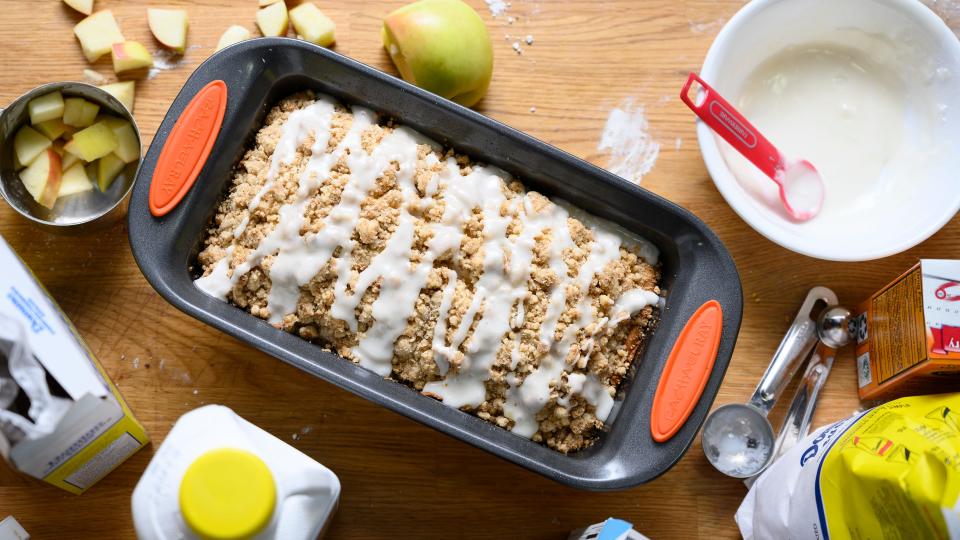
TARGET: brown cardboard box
(908,333)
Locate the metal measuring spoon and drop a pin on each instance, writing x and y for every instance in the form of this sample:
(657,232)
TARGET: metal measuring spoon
(737,438)
(833,331)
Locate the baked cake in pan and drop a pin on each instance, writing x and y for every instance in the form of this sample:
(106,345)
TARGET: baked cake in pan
(372,241)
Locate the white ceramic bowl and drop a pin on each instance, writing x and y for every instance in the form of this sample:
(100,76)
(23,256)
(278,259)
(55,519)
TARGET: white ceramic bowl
(905,29)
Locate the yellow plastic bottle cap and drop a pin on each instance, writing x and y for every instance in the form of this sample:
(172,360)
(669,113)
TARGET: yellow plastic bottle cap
(227,494)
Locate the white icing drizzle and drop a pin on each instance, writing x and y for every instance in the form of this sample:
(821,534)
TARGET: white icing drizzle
(599,395)
(440,331)
(497,290)
(399,146)
(526,400)
(403,283)
(497,304)
(316,119)
(630,303)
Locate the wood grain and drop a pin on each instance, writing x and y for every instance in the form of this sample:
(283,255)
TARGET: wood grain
(400,479)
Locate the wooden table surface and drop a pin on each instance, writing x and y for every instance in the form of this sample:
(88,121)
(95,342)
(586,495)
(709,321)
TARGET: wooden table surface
(400,479)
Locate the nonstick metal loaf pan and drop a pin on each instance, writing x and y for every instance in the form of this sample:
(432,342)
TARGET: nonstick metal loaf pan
(222,105)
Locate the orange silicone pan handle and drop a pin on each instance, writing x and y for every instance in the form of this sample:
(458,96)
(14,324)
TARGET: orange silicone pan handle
(187,148)
(687,370)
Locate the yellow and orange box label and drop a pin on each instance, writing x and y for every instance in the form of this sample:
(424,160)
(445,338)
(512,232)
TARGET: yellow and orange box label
(908,333)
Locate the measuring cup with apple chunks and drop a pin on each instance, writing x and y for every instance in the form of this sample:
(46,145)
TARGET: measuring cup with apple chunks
(69,153)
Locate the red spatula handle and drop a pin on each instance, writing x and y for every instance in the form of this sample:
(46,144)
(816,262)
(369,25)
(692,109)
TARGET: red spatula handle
(733,127)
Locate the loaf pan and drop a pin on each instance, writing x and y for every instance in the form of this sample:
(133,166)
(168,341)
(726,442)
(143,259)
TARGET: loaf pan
(254,75)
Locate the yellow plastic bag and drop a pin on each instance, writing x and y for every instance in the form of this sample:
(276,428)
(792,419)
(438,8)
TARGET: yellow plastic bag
(890,472)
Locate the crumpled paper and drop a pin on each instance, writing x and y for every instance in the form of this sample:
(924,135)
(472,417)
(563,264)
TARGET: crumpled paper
(21,372)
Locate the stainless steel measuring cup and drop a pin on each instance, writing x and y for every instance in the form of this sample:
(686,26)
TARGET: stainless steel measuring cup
(75,214)
(737,438)
(833,331)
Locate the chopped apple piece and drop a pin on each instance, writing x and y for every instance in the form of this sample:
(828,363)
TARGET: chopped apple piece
(72,111)
(28,144)
(93,142)
(108,167)
(273,20)
(69,159)
(97,34)
(312,25)
(91,170)
(42,178)
(234,34)
(169,26)
(124,92)
(46,107)
(79,112)
(111,121)
(52,129)
(83,6)
(74,180)
(129,56)
(128,147)
(265,3)
(89,116)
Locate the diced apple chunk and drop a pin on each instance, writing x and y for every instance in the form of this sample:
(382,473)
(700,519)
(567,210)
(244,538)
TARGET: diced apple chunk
(79,112)
(265,3)
(83,6)
(169,26)
(69,159)
(72,110)
(74,180)
(234,34)
(51,129)
(28,144)
(111,121)
(42,178)
(130,56)
(125,92)
(46,107)
(312,25)
(91,170)
(97,34)
(273,20)
(108,167)
(93,142)
(128,147)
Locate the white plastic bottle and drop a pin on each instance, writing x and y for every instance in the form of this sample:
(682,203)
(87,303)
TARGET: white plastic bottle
(218,477)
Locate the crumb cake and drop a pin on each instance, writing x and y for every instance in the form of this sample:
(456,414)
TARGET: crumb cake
(374,242)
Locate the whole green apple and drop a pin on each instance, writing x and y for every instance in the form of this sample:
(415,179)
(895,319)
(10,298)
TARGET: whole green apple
(441,46)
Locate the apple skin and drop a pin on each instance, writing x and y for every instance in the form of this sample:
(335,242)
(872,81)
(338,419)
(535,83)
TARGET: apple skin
(52,189)
(97,34)
(441,46)
(170,27)
(130,56)
(42,178)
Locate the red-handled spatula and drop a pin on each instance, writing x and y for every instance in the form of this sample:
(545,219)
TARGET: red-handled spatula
(801,187)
